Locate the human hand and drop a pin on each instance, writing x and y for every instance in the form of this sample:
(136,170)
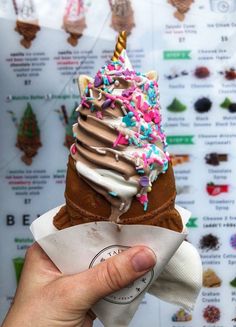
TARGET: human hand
(47,298)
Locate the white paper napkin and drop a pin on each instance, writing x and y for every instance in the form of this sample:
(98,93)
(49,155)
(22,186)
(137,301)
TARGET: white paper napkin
(181,280)
(77,248)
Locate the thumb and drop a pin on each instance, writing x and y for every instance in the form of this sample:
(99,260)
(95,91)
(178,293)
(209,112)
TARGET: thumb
(112,275)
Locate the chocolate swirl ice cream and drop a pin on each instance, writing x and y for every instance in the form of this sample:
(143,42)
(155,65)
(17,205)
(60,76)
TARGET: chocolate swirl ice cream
(120,152)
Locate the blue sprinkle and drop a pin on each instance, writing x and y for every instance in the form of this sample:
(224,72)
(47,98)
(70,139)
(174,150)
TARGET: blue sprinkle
(132,104)
(149,153)
(113,194)
(128,121)
(143,137)
(140,171)
(135,141)
(145,206)
(155,149)
(165,167)
(105,81)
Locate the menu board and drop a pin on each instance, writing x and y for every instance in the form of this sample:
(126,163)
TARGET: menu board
(191,44)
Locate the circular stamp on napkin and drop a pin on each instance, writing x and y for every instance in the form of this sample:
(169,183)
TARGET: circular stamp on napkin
(132,291)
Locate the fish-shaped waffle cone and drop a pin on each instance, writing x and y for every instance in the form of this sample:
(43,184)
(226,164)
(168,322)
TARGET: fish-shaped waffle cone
(84,205)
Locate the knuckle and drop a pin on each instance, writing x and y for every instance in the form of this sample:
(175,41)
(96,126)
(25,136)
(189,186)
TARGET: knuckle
(113,277)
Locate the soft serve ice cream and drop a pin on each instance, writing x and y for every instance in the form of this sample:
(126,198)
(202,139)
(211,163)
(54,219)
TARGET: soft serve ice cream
(120,149)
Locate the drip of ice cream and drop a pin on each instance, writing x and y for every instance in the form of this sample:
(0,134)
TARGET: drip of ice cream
(121,147)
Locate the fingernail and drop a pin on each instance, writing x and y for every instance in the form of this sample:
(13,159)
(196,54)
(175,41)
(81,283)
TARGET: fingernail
(143,260)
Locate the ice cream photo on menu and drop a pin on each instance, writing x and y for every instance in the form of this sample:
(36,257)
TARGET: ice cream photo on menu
(74,21)
(28,134)
(182,7)
(27,23)
(122,15)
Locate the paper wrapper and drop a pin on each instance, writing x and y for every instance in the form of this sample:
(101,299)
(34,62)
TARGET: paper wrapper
(78,248)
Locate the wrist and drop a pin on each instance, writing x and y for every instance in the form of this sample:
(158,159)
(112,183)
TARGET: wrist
(18,317)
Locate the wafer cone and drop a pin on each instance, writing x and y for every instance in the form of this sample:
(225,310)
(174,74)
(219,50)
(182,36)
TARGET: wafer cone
(84,205)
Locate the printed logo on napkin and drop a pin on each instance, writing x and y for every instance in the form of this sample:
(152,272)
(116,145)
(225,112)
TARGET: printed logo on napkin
(131,292)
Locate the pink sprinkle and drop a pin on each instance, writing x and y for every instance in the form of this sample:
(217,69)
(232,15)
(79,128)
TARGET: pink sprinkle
(144,159)
(109,79)
(123,98)
(138,101)
(143,198)
(146,86)
(84,103)
(121,59)
(150,161)
(120,140)
(157,117)
(123,140)
(160,162)
(73,149)
(147,118)
(137,79)
(110,67)
(109,96)
(154,138)
(99,115)
(145,106)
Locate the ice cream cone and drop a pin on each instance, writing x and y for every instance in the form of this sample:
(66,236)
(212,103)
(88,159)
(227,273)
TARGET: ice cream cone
(182,7)
(118,168)
(28,138)
(27,23)
(74,21)
(122,16)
